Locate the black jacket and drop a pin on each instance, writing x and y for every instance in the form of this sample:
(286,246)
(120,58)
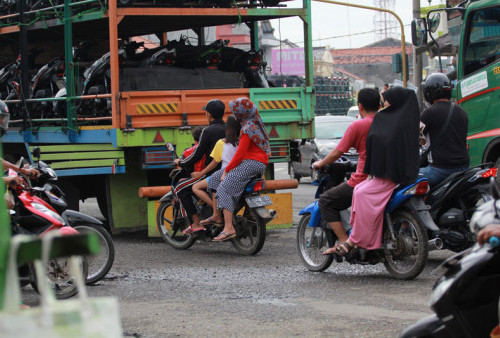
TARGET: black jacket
(209,137)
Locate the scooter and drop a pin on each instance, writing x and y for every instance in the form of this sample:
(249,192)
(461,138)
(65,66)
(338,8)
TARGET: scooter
(405,246)
(452,203)
(250,226)
(45,188)
(465,298)
(32,215)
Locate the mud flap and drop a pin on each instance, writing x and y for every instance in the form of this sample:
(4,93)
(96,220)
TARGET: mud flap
(420,211)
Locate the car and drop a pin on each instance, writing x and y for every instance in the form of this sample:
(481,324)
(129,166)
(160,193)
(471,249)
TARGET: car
(353,112)
(329,132)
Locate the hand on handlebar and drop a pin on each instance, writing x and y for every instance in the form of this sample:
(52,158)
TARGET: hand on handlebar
(30,172)
(13,181)
(318,164)
(176,161)
(492,230)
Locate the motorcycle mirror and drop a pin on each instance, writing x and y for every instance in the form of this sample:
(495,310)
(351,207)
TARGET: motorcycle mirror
(20,162)
(36,153)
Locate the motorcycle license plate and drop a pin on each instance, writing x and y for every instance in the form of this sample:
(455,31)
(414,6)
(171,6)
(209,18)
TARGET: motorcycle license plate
(258,201)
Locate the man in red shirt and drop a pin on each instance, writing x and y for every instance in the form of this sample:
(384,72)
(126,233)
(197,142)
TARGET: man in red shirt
(339,198)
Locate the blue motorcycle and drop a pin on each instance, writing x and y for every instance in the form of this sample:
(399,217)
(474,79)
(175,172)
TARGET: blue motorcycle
(405,245)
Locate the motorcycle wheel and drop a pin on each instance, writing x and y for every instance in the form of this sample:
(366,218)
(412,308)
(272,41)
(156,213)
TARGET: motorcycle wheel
(407,258)
(250,232)
(99,264)
(59,278)
(170,226)
(311,241)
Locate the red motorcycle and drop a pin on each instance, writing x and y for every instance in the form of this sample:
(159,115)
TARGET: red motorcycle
(33,216)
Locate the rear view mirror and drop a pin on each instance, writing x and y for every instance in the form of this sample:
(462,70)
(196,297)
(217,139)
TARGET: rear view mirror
(36,152)
(418,32)
(169,146)
(434,22)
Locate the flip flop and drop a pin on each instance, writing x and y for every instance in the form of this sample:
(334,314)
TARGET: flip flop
(210,221)
(189,230)
(226,237)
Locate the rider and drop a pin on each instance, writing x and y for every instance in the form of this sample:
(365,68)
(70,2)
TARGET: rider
(391,159)
(209,137)
(4,125)
(338,198)
(445,123)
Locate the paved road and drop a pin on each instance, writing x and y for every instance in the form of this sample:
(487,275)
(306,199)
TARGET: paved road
(211,290)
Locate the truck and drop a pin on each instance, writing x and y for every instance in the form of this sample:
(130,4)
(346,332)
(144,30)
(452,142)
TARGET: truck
(108,143)
(474,39)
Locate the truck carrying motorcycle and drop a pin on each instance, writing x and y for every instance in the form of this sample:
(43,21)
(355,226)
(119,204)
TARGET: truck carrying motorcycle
(159,191)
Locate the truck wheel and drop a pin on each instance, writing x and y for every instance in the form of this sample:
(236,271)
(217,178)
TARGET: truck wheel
(293,174)
(102,203)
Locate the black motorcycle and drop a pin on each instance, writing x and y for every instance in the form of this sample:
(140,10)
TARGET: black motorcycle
(45,188)
(249,219)
(465,298)
(452,203)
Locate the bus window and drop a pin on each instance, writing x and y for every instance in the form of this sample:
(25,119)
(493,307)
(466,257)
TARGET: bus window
(483,45)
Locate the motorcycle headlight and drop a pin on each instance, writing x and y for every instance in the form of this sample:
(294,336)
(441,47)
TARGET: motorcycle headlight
(45,210)
(440,290)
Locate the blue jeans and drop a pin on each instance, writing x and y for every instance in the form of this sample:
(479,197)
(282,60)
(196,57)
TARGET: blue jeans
(437,175)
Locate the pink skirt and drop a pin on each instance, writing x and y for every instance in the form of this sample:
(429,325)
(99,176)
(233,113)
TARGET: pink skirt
(367,212)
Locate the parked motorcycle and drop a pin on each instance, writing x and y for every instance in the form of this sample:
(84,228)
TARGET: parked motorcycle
(452,203)
(45,188)
(32,215)
(249,219)
(405,246)
(465,298)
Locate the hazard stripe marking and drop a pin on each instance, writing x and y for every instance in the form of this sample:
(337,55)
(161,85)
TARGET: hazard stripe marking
(278,104)
(157,108)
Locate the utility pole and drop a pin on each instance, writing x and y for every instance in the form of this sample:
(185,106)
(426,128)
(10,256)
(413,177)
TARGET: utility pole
(417,58)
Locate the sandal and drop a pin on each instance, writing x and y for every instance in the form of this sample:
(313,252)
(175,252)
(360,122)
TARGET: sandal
(345,249)
(210,221)
(224,236)
(189,230)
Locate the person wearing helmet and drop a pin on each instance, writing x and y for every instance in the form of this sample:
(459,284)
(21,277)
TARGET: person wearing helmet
(445,126)
(4,125)
(210,135)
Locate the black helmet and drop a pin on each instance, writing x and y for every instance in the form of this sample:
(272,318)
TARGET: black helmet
(4,116)
(437,86)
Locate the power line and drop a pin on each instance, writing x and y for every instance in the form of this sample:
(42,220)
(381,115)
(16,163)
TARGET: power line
(352,34)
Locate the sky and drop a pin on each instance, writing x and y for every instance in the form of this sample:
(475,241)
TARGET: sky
(342,26)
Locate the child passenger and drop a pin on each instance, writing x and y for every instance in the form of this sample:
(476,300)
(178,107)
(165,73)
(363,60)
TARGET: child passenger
(223,151)
(249,161)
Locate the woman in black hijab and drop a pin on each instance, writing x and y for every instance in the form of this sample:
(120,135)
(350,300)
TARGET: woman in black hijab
(392,158)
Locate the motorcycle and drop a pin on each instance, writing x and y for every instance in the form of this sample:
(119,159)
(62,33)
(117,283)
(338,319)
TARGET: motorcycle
(46,83)
(465,298)
(32,215)
(405,246)
(249,219)
(452,203)
(45,188)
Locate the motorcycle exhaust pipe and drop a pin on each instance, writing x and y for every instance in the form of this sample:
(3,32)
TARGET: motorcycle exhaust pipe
(435,244)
